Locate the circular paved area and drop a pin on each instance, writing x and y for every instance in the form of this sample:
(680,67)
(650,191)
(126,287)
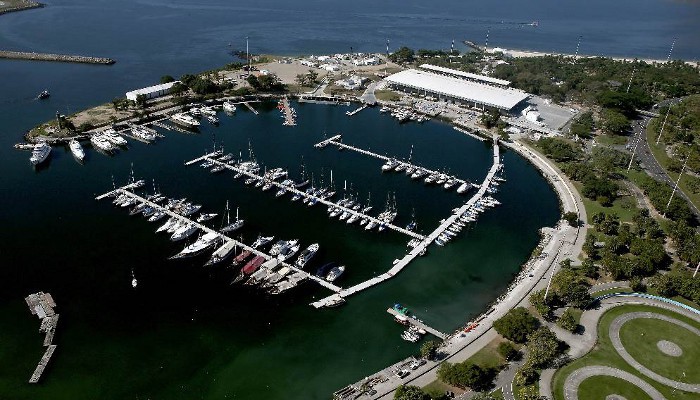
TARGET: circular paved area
(614,332)
(573,381)
(669,348)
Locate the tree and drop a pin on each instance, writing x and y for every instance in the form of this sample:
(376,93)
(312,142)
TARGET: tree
(312,76)
(409,392)
(571,288)
(516,325)
(402,55)
(530,393)
(429,349)
(141,101)
(572,218)
(543,347)
(541,305)
(508,351)
(465,375)
(567,320)
(166,79)
(614,122)
(301,79)
(636,284)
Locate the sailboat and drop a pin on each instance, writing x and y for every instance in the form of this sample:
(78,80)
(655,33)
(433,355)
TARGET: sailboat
(232,226)
(304,180)
(134,282)
(412,225)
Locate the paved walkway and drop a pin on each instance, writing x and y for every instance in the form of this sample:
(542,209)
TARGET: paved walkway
(574,380)
(589,322)
(614,332)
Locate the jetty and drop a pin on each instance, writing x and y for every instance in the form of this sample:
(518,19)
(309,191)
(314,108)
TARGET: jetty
(336,141)
(21,55)
(4,8)
(127,190)
(42,305)
(211,158)
(422,246)
(357,110)
(418,324)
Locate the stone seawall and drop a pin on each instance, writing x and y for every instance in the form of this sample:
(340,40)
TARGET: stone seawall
(20,55)
(27,6)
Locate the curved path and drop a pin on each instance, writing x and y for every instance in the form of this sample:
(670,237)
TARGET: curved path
(574,380)
(614,332)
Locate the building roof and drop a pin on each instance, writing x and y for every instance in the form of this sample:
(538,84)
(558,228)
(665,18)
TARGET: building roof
(152,89)
(479,93)
(467,75)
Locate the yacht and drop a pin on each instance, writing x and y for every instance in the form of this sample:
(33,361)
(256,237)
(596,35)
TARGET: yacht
(111,136)
(184,232)
(204,242)
(306,255)
(335,273)
(212,119)
(288,252)
(101,143)
(40,152)
(221,253)
(206,217)
(232,226)
(77,150)
(463,188)
(229,107)
(185,120)
(261,241)
(389,165)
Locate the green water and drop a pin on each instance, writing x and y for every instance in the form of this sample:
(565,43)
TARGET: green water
(185,333)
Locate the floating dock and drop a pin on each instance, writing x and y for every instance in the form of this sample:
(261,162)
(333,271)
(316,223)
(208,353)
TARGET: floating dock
(419,324)
(210,157)
(126,190)
(21,55)
(288,113)
(424,243)
(336,141)
(42,305)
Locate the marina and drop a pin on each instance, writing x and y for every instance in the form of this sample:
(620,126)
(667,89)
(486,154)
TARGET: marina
(292,280)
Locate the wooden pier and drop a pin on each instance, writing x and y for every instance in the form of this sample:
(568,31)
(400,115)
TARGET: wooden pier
(293,190)
(126,191)
(335,140)
(247,104)
(42,364)
(422,247)
(42,305)
(419,324)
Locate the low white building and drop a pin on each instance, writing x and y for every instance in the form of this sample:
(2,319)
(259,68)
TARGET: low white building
(352,82)
(151,92)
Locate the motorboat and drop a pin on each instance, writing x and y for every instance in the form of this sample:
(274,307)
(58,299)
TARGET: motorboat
(206,217)
(185,120)
(76,149)
(335,273)
(184,232)
(40,153)
(101,143)
(306,255)
(229,107)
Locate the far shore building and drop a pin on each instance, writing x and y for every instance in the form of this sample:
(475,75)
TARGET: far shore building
(151,92)
(459,87)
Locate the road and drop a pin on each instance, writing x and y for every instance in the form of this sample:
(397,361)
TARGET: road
(649,163)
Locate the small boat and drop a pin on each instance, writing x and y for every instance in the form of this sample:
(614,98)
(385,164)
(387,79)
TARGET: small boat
(390,165)
(335,273)
(218,168)
(323,271)
(134,282)
(77,150)
(43,95)
(212,119)
(206,217)
(40,153)
(229,107)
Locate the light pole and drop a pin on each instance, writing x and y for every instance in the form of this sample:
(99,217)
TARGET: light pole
(675,187)
(696,270)
(631,77)
(634,150)
(663,125)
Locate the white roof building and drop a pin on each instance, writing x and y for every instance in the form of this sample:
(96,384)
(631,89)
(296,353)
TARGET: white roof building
(462,90)
(465,75)
(151,92)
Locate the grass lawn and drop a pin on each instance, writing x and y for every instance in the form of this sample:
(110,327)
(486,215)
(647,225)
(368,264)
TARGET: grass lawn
(598,387)
(639,336)
(387,95)
(624,207)
(439,387)
(488,356)
(605,354)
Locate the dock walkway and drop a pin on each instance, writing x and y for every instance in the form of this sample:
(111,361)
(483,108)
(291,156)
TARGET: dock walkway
(42,364)
(306,195)
(422,247)
(247,104)
(335,140)
(351,113)
(289,116)
(419,324)
(125,190)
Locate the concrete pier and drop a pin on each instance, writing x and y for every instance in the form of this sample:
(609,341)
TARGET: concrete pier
(419,324)
(42,364)
(42,305)
(21,55)
(293,190)
(336,141)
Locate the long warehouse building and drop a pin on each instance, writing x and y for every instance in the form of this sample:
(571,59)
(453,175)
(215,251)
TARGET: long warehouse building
(475,94)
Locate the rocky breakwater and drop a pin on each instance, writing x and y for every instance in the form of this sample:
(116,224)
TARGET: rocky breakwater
(20,55)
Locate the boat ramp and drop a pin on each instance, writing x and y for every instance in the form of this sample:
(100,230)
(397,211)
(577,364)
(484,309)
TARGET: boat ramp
(42,305)
(301,275)
(336,141)
(211,157)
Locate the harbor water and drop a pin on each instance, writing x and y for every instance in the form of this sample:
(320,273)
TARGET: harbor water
(184,332)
